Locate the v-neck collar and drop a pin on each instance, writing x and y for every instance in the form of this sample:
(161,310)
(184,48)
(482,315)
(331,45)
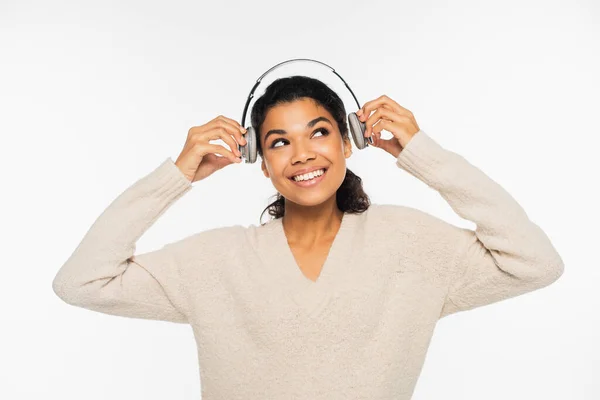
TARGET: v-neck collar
(311,295)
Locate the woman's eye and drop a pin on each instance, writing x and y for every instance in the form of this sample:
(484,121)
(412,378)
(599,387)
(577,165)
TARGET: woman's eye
(325,132)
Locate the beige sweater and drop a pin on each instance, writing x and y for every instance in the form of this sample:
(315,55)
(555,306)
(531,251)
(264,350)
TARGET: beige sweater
(265,331)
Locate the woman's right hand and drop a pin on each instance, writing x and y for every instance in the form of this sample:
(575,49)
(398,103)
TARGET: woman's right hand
(198,158)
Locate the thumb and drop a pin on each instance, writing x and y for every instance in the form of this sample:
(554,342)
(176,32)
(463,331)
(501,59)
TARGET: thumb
(223,162)
(377,141)
(384,144)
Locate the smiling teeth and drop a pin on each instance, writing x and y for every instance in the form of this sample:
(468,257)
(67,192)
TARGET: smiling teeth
(310,175)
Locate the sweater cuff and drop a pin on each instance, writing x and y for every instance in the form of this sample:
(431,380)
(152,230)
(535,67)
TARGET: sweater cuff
(170,179)
(422,157)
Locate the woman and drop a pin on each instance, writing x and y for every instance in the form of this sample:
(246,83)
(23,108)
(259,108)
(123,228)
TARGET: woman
(333,297)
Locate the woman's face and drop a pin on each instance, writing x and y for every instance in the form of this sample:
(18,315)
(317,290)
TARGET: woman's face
(306,144)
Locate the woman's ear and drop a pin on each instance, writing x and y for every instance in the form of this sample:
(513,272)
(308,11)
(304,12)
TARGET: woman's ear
(347,147)
(263,167)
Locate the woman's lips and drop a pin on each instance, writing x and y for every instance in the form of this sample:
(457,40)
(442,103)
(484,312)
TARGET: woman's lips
(310,182)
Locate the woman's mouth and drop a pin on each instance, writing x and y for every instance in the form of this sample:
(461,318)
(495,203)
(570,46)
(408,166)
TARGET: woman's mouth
(310,182)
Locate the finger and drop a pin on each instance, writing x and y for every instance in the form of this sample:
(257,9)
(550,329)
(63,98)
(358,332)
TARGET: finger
(380,143)
(369,106)
(389,126)
(377,142)
(240,139)
(232,122)
(232,126)
(223,162)
(222,150)
(218,162)
(365,117)
(395,106)
(221,131)
(376,138)
(227,138)
(385,144)
(384,112)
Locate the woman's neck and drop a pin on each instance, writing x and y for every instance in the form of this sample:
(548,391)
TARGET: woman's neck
(308,226)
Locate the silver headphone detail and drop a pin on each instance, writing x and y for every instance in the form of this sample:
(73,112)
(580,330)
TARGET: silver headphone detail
(357,128)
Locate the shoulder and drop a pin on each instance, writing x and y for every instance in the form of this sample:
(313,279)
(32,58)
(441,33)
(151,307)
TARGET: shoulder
(409,218)
(207,244)
(420,235)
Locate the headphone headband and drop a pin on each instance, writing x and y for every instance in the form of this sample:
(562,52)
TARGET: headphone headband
(285,62)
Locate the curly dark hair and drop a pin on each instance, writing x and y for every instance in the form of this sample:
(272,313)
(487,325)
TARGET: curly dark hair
(350,196)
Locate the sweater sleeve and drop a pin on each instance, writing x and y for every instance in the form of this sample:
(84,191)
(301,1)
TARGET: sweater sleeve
(507,255)
(104,275)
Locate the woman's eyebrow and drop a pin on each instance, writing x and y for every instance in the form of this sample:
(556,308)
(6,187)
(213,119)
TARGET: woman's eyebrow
(309,125)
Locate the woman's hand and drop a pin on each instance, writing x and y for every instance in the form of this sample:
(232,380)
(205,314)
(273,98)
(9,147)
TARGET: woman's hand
(392,117)
(199,159)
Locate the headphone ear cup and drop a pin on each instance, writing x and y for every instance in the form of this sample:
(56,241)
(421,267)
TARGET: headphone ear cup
(357,129)
(250,150)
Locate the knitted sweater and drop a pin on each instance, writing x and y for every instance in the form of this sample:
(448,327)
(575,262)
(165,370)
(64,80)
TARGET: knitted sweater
(265,331)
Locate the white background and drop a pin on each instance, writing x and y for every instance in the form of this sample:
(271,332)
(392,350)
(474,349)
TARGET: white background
(95,95)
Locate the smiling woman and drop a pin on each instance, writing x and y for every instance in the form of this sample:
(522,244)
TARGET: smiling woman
(334,297)
(302,127)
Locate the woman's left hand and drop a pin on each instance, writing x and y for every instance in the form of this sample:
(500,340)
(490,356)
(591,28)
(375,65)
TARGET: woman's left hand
(392,117)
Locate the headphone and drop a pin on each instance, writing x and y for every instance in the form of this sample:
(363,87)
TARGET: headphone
(357,128)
